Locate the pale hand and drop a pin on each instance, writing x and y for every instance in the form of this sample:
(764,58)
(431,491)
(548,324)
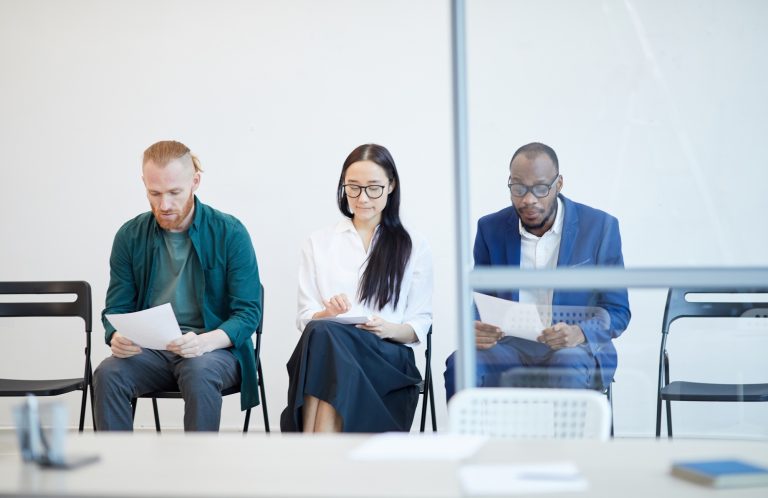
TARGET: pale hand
(189,345)
(379,327)
(335,306)
(561,335)
(487,335)
(398,332)
(122,347)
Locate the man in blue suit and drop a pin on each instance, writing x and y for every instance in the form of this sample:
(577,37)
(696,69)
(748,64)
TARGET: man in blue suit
(543,230)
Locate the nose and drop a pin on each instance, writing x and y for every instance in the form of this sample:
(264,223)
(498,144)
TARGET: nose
(529,198)
(165,203)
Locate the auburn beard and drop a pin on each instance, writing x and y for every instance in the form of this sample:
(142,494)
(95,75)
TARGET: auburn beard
(176,223)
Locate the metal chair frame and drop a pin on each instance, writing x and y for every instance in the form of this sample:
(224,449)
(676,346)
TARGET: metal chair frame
(426,388)
(80,307)
(679,307)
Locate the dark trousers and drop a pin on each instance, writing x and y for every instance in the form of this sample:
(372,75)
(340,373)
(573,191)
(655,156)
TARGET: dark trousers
(516,362)
(200,380)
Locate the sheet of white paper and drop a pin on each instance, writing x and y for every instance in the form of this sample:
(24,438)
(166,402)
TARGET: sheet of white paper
(513,318)
(507,479)
(347,320)
(152,328)
(399,446)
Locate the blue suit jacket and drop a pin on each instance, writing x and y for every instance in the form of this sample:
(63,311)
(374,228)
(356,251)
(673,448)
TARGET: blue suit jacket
(590,237)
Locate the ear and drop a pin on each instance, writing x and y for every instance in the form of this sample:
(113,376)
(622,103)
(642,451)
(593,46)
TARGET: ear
(391,187)
(559,184)
(195,181)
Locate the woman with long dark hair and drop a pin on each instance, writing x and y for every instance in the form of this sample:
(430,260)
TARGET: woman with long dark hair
(349,373)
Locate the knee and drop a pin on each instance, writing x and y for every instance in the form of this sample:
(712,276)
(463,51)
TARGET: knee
(107,374)
(198,376)
(450,363)
(572,357)
(318,330)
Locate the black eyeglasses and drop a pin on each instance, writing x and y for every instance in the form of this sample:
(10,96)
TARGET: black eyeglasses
(372,191)
(539,190)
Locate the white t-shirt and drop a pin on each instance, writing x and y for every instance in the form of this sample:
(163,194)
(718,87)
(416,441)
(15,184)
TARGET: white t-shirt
(333,261)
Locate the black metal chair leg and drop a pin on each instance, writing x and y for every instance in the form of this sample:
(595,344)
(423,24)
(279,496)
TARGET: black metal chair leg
(157,414)
(247,421)
(669,418)
(262,391)
(432,404)
(424,400)
(82,409)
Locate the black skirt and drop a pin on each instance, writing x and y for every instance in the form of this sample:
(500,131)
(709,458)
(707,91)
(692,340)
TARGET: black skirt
(371,383)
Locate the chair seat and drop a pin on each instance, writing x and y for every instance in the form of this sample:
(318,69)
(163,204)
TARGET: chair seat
(53,387)
(177,395)
(699,391)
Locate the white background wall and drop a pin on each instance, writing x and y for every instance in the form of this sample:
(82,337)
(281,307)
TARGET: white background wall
(656,109)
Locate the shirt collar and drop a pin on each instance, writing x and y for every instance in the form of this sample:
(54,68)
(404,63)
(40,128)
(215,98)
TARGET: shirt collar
(557,226)
(345,225)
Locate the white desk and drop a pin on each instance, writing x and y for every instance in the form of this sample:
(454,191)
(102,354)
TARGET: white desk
(171,465)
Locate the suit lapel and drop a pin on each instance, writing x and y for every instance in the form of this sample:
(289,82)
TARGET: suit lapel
(567,241)
(513,249)
(570,233)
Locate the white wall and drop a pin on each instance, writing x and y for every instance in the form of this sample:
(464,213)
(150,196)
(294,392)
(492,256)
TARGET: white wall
(655,109)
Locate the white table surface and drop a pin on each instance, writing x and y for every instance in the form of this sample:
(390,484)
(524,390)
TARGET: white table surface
(195,465)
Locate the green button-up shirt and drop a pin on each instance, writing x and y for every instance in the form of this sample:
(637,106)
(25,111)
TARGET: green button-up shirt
(229,295)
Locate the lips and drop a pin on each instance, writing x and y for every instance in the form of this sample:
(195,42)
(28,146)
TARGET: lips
(531,213)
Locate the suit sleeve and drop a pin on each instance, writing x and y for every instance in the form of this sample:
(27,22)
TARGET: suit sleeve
(480,252)
(611,314)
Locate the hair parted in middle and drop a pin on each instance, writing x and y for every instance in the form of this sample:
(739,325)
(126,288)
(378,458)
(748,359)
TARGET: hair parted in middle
(383,276)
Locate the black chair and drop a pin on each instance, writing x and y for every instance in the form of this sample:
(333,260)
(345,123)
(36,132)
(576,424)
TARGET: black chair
(80,307)
(226,392)
(679,307)
(426,388)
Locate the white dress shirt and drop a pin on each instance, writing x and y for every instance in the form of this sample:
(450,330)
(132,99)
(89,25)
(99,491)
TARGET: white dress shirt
(333,261)
(541,253)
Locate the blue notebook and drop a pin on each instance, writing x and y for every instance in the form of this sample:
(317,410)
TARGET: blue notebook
(722,473)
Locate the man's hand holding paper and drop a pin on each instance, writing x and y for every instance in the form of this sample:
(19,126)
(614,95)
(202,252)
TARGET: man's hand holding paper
(122,347)
(561,335)
(510,317)
(152,328)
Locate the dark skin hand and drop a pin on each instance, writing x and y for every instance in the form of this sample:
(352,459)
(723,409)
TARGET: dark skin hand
(558,336)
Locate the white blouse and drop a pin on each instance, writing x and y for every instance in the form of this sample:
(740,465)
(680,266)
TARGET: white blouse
(333,261)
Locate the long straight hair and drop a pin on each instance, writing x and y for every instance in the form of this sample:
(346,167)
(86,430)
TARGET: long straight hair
(383,276)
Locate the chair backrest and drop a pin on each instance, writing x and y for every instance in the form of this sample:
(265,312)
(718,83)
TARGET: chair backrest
(81,306)
(259,330)
(530,413)
(679,307)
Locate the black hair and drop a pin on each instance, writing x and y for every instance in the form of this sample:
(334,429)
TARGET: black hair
(533,149)
(383,276)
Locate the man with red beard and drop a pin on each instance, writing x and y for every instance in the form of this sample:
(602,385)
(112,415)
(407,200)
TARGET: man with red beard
(543,229)
(202,262)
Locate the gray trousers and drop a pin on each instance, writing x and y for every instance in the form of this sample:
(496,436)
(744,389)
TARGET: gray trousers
(200,380)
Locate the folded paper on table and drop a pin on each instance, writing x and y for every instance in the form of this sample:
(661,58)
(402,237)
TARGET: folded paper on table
(507,479)
(346,320)
(513,318)
(152,328)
